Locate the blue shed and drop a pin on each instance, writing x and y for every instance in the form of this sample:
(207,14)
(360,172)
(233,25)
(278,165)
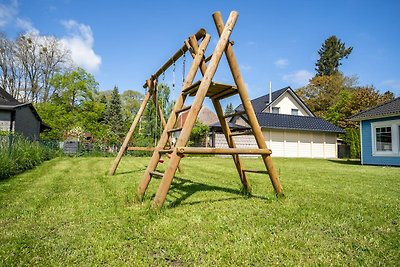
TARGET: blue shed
(380,134)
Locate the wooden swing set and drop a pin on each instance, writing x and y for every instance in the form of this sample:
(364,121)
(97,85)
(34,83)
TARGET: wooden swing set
(199,90)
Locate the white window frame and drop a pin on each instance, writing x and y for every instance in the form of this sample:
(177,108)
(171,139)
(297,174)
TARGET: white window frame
(276,108)
(395,130)
(296,110)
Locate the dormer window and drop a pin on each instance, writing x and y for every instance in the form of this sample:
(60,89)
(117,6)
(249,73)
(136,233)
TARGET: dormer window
(275,110)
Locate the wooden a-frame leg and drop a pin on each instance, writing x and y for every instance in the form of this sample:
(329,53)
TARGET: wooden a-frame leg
(144,182)
(231,144)
(194,111)
(237,76)
(129,134)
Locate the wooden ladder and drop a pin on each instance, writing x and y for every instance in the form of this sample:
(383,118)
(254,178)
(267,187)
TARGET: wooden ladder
(215,91)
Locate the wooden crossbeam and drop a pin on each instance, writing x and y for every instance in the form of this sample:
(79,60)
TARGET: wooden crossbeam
(222,151)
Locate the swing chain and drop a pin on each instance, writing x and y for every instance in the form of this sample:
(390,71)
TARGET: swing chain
(183,68)
(173,76)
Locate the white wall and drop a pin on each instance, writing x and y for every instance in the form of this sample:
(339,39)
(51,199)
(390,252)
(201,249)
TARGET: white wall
(286,102)
(291,144)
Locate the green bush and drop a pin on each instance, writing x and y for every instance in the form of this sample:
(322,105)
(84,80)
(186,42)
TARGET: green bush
(18,154)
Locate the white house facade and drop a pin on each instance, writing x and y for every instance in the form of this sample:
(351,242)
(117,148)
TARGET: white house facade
(290,129)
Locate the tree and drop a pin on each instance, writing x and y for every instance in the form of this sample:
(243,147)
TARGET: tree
(229,109)
(73,106)
(331,53)
(73,88)
(28,64)
(113,117)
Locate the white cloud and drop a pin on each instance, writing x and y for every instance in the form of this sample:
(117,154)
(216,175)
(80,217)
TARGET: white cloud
(27,26)
(300,77)
(80,42)
(281,63)
(8,12)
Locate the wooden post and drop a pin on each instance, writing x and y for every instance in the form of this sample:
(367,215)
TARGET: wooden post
(130,133)
(237,76)
(172,120)
(194,111)
(231,144)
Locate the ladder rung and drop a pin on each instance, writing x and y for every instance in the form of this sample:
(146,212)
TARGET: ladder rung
(175,130)
(165,151)
(224,94)
(156,173)
(241,133)
(256,171)
(182,109)
(235,114)
(193,87)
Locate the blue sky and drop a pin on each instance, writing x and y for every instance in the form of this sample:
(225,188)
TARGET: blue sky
(123,42)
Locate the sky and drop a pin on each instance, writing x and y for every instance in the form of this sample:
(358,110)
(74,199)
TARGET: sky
(123,42)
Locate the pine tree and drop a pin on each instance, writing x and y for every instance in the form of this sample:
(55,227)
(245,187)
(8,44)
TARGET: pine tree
(114,115)
(229,109)
(331,53)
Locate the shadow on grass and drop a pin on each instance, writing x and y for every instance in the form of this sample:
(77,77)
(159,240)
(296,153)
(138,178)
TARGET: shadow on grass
(182,189)
(346,162)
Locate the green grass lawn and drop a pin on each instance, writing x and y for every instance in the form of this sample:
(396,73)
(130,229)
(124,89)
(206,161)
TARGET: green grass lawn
(68,212)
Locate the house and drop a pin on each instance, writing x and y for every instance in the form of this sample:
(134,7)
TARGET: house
(19,117)
(380,134)
(289,127)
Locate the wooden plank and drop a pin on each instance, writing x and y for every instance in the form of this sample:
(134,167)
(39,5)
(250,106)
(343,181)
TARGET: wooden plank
(175,130)
(237,76)
(231,144)
(222,151)
(241,133)
(200,34)
(129,134)
(156,173)
(137,148)
(183,109)
(194,111)
(256,171)
(165,151)
(144,182)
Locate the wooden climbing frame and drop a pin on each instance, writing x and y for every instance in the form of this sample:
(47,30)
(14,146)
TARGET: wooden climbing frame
(151,93)
(216,92)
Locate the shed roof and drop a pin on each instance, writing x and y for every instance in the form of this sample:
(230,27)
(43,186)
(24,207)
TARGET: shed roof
(388,109)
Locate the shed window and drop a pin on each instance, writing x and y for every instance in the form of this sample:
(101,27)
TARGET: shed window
(384,139)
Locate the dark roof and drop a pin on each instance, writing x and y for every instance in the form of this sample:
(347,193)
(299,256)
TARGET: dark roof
(232,126)
(6,99)
(388,109)
(292,122)
(260,103)
(7,102)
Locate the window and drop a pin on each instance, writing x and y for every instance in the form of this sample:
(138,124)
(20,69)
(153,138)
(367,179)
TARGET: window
(295,111)
(384,139)
(275,110)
